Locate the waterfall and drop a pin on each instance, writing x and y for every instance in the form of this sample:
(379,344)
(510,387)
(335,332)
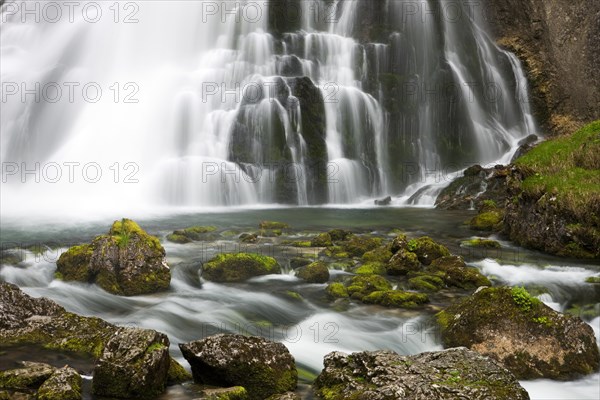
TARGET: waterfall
(203,104)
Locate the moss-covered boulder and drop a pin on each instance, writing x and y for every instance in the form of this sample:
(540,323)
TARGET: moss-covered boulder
(248,238)
(134,364)
(29,376)
(177,374)
(178,237)
(356,245)
(526,336)
(363,285)
(369,268)
(297,262)
(487,221)
(339,235)
(385,375)
(273,225)
(321,240)
(426,283)
(337,290)
(400,242)
(238,267)
(316,272)
(262,367)
(64,384)
(193,233)
(231,393)
(403,262)
(127,261)
(39,321)
(482,243)
(454,271)
(381,254)
(396,298)
(427,249)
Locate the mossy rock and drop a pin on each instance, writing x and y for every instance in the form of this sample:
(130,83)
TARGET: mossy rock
(232,393)
(262,367)
(301,244)
(64,384)
(370,268)
(487,221)
(337,290)
(321,240)
(357,246)
(298,262)
(316,272)
(400,242)
(403,262)
(482,243)
(178,238)
(362,285)
(426,283)
(593,279)
(238,267)
(269,225)
(522,333)
(177,373)
(31,375)
(127,261)
(380,254)
(427,249)
(270,233)
(339,235)
(456,273)
(396,298)
(248,238)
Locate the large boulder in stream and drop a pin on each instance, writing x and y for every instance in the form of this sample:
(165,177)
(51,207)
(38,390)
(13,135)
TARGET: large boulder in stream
(134,364)
(130,362)
(238,267)
(384,375)
(127,261)
(262,367)
(526,336)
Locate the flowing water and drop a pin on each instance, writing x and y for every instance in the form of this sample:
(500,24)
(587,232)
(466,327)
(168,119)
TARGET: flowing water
(310,326)
(140,105)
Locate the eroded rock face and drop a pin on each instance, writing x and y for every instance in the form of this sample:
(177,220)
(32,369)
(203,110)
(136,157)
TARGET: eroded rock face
(384,375)
(526,336)
(264,368)
(134,364)
(127,261)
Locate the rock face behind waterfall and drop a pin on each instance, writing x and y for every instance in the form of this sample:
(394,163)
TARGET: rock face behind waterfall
(526,336)
(127,261)
(264,368)
(384,375)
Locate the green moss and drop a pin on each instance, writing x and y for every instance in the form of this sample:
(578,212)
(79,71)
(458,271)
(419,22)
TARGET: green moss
(523,299)
(356,246)
(177,374)
(381,254)
(568,166)
(73,264)
(486,221)
(403,262)
(427,249)
(454,272)
(316,272)
(155,346)
(369,268)
(426,283)
(396,298)
(322,240)
(593,279)
(294,295)
(339,235)
(177,238)
(273,225)
(543,321)
(238,267)
(363,285)
(337,290)
(303,244)
(482,243)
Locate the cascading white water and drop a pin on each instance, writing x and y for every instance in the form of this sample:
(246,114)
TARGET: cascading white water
(202,104)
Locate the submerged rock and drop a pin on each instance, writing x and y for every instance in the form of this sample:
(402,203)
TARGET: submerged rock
(127,261)
(238,267)
(315,272)
(384,375)
(526,336)
(262,367)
